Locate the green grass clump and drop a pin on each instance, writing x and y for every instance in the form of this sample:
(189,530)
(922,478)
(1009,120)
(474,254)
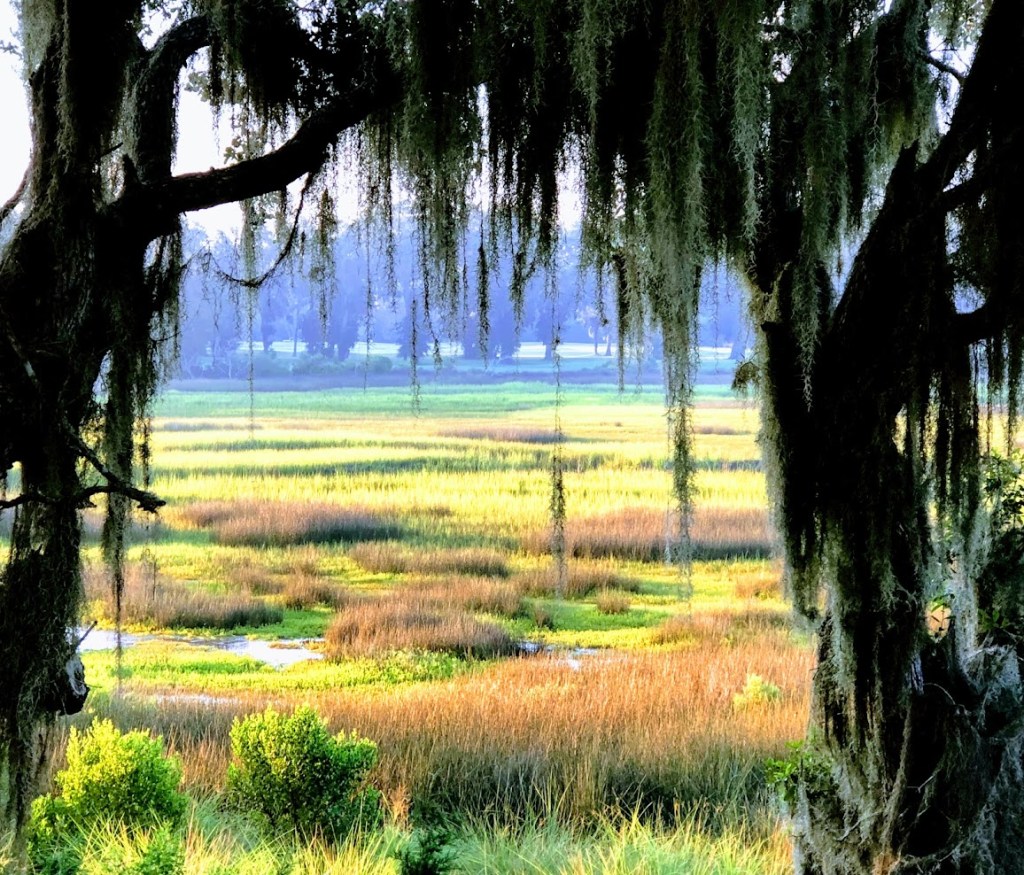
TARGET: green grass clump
(626,846)
(154,668)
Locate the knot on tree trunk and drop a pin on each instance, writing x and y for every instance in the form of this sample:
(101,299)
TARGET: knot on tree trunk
(69,690)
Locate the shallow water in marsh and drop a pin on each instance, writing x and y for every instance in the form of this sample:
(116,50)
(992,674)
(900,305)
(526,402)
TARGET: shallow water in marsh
(278,654)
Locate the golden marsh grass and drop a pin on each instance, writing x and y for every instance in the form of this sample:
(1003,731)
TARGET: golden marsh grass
(381,626)
(646,534)
(578,735)
(154,601)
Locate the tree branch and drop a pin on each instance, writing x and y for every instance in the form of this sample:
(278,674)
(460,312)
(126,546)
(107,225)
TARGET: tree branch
(25,498)
(15,198)
(150,208)
(146,500)
(943,67)
(979,324)
(151,134)
(116,485)
(1000,49)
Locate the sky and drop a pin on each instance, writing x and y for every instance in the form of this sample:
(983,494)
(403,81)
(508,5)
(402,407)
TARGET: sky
(14,139)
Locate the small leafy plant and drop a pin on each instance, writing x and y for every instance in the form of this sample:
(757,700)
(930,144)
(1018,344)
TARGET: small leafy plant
(428,851)
(293,774)
(110,777)
(756,691)
(802,767)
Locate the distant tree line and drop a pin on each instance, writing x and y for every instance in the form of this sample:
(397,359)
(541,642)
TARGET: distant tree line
(220,315)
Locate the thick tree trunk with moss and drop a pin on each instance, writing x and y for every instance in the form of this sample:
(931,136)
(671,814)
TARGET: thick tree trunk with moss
(916,748)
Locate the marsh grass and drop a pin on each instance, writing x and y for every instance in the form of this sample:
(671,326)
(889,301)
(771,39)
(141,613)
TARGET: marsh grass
(611,602)
(304,591)
(582,578)
(748,625)
(391,557)
(645,534)
(154,601)
(476,594)
(760,584)
(248,575)
(503,434)
(381,626)
(645,732)
(261,522)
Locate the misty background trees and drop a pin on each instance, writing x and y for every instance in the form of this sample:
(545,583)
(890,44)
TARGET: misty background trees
(221,318)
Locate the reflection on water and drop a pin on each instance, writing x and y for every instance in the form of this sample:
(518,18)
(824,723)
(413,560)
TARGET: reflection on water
(278,654)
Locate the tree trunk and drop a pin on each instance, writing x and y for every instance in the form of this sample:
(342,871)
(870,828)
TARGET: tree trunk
(913,760)
(40,594)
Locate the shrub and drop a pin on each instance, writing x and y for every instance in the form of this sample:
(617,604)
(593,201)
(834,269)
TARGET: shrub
(110,777)
(120,776)
(756,691)
(292,773)
(427,853)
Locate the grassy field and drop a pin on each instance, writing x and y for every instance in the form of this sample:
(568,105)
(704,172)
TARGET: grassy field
(613,719)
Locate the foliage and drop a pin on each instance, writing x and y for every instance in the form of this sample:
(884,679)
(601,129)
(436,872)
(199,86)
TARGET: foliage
(292,774)
(756,691)
(1001,579)
(113,775)
(111,780)
(802,770)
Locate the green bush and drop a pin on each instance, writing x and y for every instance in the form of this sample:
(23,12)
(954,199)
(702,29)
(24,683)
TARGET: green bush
(117,776)
(110,776)
(292,773)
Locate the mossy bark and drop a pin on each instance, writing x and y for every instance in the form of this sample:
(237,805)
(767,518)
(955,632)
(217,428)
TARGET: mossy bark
(915,749)
(39,599)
